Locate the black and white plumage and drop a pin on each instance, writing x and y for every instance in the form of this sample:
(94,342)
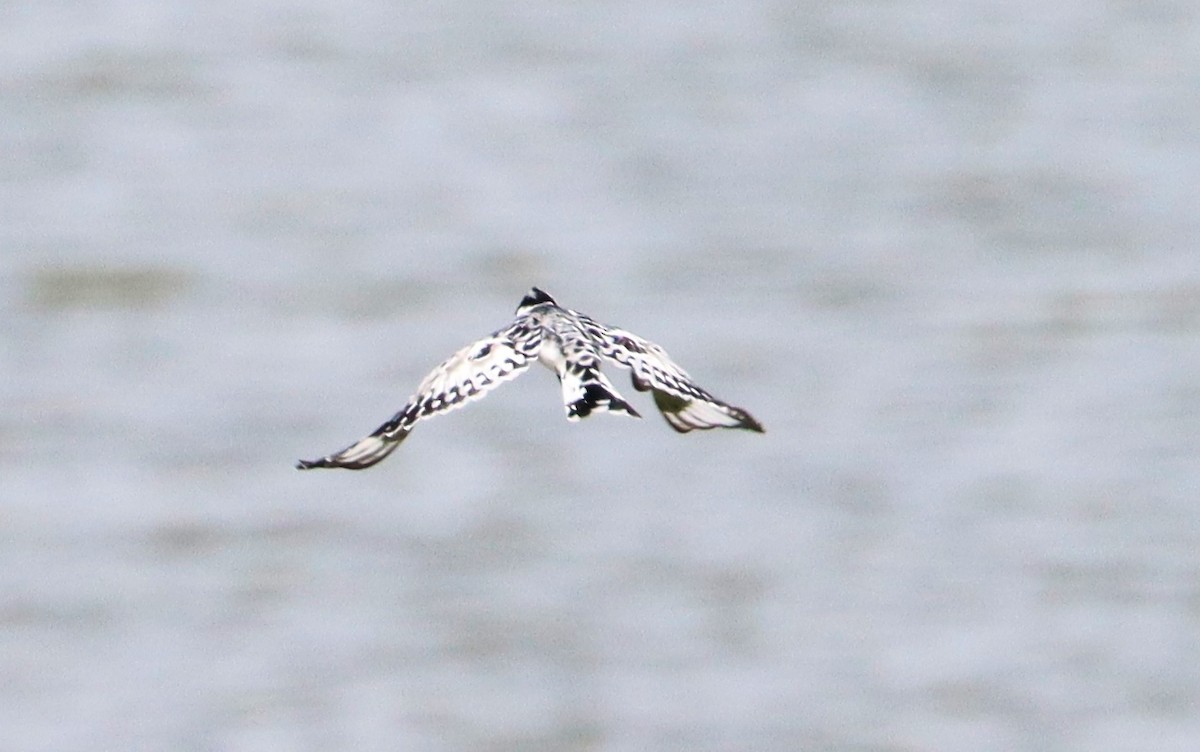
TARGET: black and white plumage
(573,346)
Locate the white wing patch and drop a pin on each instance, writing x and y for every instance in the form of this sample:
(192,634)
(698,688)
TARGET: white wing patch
(683,403)
(466,376)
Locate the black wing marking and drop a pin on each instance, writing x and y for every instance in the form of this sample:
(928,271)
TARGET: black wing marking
(684,404)
(467,375)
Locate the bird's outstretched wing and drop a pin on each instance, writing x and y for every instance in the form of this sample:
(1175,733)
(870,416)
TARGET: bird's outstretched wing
(467,375)
(684,404)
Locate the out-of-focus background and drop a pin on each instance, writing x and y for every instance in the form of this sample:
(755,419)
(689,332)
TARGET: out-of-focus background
(946,252)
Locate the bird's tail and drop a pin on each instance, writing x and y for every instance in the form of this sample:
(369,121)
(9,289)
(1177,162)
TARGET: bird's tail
(587,390)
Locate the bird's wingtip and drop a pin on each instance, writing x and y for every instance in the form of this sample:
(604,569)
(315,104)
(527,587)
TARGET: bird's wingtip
(750,424)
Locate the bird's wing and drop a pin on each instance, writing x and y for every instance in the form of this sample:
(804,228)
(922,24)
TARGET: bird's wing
(684,404)
(467,375)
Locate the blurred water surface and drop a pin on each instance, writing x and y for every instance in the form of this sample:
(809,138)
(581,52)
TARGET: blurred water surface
(944,251)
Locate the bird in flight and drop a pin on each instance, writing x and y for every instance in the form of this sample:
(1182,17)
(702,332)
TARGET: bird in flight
(573,346)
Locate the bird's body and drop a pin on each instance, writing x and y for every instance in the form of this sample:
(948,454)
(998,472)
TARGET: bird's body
(571,345)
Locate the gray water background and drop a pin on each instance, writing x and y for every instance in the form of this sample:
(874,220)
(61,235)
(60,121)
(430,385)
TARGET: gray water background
(946,252)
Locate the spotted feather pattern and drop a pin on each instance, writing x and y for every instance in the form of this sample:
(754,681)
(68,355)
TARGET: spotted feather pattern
(684,404)
(571,345)
(572,354)
(465,376)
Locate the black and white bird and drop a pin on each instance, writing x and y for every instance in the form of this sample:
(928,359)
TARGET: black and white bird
(573,346)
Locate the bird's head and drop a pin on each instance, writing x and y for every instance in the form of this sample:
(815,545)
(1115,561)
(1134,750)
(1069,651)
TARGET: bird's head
(534,297)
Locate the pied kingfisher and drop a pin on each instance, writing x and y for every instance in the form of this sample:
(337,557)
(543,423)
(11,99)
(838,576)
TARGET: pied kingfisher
(568,343)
